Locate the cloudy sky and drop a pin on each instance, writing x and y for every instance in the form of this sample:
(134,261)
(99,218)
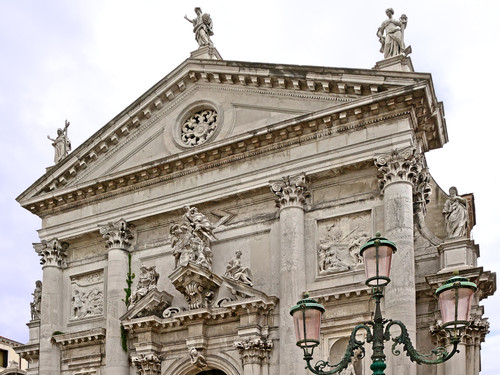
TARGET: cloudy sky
(86,60)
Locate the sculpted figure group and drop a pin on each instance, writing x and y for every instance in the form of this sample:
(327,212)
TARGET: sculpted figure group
(191,239)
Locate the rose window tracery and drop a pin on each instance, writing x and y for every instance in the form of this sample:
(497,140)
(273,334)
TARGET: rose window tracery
(198,128)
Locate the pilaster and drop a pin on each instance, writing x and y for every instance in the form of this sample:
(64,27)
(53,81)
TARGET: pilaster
(399,174)
(118,236)
(291,195)
(53,255)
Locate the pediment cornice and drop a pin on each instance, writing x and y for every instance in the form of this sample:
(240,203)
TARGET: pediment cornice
(362,97)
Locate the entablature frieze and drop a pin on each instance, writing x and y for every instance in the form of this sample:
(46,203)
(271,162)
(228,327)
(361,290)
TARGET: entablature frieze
(271,139)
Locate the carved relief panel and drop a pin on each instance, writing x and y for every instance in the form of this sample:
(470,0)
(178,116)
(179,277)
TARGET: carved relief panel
(339,241)
(87,295)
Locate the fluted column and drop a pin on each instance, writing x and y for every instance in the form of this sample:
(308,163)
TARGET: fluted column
(53,255)
(118,242)
(399,174)
(291,193)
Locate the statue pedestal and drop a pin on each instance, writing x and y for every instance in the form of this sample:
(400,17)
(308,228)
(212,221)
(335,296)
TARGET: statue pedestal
(400,63)
(206,52)
(457,254)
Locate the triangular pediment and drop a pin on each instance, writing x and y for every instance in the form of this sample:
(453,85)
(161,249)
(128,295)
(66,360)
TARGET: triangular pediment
(149,138)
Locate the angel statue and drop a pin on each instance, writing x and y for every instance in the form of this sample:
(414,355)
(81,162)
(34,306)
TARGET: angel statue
(62,144)
(392,43)
(202,28)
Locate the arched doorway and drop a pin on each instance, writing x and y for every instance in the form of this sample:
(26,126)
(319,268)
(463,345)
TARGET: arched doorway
(212,372)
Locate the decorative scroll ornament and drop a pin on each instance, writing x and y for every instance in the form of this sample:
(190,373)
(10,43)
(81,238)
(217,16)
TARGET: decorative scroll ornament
(191,239)
(254,351)
(199,128)
(52,253)
(291,191)
(422,192)
(149,364)
(118,235)
(406,165)
(36,305)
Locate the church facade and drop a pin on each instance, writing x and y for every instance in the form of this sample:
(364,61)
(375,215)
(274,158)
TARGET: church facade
(176,239)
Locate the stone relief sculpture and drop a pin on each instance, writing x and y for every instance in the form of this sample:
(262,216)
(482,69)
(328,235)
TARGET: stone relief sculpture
(235,271)
(202,28)
(36,305)
(148,280)
(455,215)
(87,295)
(191,239)
(62,144)
(339,243)
(197,358)
(391,35)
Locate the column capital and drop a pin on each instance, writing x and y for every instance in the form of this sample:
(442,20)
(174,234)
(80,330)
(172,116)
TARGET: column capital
(52,252)
(291,191)
(406,165)
(118,235)
(149,364)
(254,351)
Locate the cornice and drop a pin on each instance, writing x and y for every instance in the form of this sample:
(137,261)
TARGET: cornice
(311,82)
(306,128)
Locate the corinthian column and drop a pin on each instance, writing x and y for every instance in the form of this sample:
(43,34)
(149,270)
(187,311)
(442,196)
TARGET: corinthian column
(118,242)
(291,193)
(399,173)
(53,254)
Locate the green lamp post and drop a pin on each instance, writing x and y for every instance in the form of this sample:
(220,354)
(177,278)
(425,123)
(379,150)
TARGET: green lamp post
(455,299)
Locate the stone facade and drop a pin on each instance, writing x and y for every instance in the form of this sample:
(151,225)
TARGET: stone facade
(290,168)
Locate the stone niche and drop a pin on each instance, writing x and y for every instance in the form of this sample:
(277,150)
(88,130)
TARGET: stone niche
(87,295)
(339,241)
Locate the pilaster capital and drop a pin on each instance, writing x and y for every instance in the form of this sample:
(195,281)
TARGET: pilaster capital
(118,235)
(52,252)
(147,364)
(254,351)
(290,191)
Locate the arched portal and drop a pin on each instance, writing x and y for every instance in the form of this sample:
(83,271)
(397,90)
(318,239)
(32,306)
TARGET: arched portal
(212,372)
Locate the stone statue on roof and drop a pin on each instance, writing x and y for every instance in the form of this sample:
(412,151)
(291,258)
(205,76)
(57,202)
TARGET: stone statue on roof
(391,35)
(62,144)
(202,28)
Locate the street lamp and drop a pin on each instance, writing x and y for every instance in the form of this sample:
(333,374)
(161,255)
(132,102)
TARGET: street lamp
(455,299)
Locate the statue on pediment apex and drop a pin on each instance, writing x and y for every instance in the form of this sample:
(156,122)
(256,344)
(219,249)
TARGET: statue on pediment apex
(202,28)
(61,144)
(391,35)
